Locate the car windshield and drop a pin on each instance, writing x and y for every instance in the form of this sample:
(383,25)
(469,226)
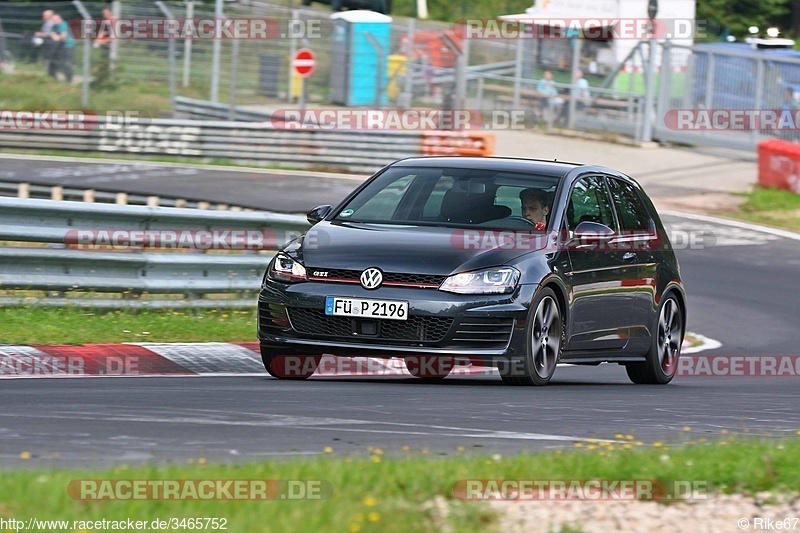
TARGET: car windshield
(454,197)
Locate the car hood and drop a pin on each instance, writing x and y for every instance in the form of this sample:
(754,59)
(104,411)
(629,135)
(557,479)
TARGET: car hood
(412,249)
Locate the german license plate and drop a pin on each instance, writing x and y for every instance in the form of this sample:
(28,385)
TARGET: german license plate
(364,308)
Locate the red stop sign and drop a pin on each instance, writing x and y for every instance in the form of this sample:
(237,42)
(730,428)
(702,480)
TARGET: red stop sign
(304,62)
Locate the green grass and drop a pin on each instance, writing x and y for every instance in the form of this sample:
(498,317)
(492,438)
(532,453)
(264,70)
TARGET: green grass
(29,89)
(382,493)
(70,325)
(773,207)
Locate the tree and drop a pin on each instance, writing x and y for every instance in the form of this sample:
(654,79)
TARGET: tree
(734,17)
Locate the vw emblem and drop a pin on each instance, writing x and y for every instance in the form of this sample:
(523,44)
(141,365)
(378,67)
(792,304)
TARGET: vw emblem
(371,278)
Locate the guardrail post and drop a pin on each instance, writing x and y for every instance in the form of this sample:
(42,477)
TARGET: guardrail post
(24,190)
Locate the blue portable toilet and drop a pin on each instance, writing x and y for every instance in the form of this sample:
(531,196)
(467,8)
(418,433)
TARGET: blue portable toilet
(361,41)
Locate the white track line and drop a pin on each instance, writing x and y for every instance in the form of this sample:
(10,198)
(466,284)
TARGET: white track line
(787,234)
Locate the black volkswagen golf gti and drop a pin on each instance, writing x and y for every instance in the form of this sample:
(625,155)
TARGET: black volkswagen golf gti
(495,262)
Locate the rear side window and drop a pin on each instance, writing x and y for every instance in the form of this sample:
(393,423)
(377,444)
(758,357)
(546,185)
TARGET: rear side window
(589,202)
(633,214)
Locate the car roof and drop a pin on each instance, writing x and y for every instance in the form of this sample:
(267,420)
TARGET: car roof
(507,164)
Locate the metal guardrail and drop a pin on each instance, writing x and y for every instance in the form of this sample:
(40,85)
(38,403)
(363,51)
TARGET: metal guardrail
(192,108)
(77,194)
(54,265)
(245,142)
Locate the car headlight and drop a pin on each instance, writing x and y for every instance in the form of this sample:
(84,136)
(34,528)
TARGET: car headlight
(489,281)
(284,268)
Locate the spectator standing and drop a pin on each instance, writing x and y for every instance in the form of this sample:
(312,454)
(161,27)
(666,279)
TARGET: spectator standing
(64,52)
(42,41)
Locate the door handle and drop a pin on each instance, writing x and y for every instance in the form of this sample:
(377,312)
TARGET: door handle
(628,256)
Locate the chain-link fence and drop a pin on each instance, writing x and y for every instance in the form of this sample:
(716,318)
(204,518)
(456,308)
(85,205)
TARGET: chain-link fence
(427,64)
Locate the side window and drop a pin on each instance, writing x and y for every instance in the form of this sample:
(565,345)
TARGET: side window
(633,214)
(589,202)
(383,205)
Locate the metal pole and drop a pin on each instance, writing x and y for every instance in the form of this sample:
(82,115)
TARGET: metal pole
(464,72)
(187,46)
(518,72)
(216,54)
(649,95)
(292,52)
(87,49)
(302,99)
(407,87)
(172,66)
(709,100)
(113,47)
(577,43)
(664,84)
(758,104)
(234,65)
(379,54)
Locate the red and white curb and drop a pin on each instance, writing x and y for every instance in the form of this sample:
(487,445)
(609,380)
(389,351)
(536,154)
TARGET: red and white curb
(195,359)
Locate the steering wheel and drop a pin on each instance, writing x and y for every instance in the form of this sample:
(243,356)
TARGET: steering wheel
(521,221)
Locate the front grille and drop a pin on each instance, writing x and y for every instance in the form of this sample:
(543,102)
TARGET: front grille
(337,275)
(272,316)
(484,332)
(416,329)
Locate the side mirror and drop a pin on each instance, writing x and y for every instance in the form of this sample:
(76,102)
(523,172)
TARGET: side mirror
(318,213)
(593,230)
(589,235)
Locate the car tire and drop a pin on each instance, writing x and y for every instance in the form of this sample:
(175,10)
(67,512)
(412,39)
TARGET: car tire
(296,367)
(546,337)
(430,368)
(661,363)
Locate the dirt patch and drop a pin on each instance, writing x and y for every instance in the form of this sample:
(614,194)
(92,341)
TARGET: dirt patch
(720,513)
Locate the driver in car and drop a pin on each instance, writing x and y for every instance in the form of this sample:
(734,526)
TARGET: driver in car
(535,207)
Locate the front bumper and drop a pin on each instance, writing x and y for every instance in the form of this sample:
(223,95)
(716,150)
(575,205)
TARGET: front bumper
(291,321)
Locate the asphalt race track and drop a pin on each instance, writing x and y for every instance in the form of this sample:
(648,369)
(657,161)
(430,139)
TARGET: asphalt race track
(271,190)
(743,286)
